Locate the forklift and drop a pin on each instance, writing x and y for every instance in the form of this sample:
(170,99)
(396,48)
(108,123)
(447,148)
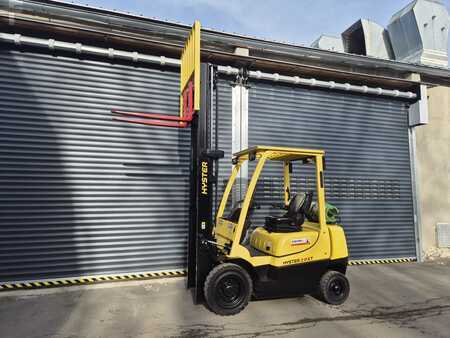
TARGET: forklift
(289,254)
(229,260)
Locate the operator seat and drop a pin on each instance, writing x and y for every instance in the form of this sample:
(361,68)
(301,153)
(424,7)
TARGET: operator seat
(294,218)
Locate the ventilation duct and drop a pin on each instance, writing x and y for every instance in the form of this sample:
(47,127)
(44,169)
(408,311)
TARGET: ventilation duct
(419,33)
(328,42)
(365,37)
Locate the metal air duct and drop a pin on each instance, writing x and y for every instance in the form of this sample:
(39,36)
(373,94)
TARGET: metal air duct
(328,42)
(365,37)
(419,33)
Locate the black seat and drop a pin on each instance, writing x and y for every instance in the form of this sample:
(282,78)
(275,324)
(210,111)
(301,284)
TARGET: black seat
(294,218)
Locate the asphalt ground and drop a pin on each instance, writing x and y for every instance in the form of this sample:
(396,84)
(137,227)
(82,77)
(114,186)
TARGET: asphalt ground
(393,300)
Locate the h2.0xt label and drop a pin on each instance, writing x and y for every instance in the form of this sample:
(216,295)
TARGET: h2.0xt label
(299,241)
(204,178)
(298,260)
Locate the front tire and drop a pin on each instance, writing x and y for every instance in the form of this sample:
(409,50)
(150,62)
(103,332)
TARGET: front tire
(334,288)
(228,288)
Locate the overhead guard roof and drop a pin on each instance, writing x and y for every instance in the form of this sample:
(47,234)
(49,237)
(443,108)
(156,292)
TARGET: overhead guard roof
(279,153)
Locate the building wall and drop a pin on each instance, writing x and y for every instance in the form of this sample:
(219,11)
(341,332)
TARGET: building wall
(433,166)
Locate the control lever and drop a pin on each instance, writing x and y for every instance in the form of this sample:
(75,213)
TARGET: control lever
(215,154)
(279,206)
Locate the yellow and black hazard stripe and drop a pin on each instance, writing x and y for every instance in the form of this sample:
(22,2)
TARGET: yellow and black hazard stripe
(89,280)
(381,261)
(147,275)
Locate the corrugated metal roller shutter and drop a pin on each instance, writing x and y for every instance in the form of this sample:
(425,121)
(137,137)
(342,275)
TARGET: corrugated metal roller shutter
(79,192)
(368,163)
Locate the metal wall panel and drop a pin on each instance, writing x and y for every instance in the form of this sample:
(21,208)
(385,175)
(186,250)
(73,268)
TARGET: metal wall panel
(367,152)
(81,193)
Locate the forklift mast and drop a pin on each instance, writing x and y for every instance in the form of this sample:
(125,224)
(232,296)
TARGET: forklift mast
(196,87)
(202,184)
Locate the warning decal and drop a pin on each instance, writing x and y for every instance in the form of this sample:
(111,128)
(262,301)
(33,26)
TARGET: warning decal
(300,241)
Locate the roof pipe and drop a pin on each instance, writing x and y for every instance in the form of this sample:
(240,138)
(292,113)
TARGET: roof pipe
(111,53)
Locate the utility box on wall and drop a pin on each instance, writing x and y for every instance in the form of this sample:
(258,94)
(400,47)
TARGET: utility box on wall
(418,112)
(443,235)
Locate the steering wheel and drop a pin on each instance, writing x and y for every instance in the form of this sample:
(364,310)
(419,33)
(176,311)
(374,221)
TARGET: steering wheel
(236,206)
(236,209)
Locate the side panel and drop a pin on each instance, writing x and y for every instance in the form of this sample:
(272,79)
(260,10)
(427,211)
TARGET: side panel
(338,242)
(297,279)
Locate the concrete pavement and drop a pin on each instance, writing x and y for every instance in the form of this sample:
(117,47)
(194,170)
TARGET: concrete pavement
(397,300)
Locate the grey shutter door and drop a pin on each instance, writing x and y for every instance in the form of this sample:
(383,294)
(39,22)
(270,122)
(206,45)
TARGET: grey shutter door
(367,155)
(80,193)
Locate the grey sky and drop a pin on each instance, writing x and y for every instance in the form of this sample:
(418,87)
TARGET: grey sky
(297,21)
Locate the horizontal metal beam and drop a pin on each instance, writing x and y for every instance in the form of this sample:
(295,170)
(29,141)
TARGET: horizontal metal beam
(108,21)
(111,53)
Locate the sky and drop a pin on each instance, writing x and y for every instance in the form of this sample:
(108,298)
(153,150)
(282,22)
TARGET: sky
(295,21)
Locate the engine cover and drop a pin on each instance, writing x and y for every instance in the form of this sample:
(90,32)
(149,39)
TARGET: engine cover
(282,244)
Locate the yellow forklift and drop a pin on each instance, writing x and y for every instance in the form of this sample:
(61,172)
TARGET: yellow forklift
(229,261)
(288,254)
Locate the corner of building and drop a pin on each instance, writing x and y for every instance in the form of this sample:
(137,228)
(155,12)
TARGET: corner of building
(433,172)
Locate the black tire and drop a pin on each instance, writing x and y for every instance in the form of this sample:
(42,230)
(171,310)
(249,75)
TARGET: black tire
(228,288)
(334,288)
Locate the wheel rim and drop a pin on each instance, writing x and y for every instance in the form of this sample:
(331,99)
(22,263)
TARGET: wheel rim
(337,288)
(230,291)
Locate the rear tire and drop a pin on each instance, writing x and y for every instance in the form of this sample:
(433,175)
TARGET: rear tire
(228,288)
(334,288)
